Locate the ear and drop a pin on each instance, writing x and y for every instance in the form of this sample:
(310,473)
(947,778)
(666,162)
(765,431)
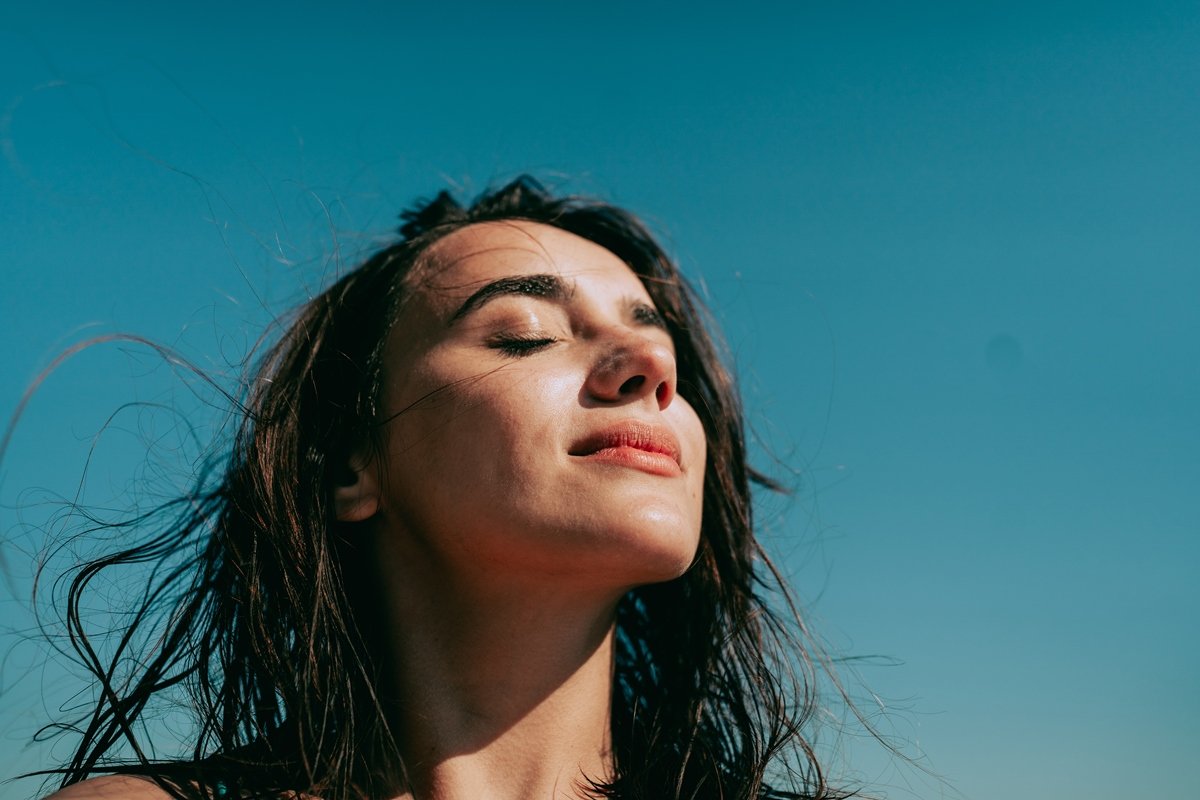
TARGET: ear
(356,496)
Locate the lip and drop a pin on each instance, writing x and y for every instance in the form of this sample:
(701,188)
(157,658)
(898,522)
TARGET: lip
(635,444)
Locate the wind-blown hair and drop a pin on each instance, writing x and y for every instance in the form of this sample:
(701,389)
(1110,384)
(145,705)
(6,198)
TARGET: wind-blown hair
(269,625)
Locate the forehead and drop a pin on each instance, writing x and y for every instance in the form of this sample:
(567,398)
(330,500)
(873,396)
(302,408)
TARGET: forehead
(467,259)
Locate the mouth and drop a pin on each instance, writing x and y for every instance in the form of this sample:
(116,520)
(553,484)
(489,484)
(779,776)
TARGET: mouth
(634,444)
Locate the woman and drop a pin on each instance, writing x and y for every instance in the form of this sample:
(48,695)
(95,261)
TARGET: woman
(485,532)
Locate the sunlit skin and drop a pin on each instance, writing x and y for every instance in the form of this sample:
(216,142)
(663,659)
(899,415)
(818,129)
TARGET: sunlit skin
(537,462)
(558,342)
(534,462)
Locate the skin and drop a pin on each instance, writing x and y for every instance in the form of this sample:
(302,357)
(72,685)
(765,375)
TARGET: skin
(495,521)
(476,464)
(513,552)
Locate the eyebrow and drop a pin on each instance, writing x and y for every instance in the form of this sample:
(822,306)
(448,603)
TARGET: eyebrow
(550,287)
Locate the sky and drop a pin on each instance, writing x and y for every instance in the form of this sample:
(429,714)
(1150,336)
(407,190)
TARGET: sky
(953,249)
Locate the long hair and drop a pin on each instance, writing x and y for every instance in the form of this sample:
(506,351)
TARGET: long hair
(715,682)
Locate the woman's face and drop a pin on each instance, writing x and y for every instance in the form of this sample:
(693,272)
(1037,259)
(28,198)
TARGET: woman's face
(533,426)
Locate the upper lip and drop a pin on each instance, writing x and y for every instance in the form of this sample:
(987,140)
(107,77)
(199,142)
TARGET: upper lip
(630,433)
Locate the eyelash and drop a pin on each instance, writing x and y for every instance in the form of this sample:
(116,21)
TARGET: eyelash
(515,346)
(649,316)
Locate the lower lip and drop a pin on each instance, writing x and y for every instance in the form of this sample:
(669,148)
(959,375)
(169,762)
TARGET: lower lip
(644,460)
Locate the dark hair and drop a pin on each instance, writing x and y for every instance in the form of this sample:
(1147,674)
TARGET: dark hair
(714,688)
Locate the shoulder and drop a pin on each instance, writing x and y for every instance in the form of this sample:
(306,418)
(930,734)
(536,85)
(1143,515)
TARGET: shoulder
(112,787)
(126,787)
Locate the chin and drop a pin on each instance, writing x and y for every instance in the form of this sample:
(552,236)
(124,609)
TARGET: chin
(669,572)
(660,558)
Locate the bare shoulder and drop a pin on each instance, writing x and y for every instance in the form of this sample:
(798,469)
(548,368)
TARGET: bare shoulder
(111,787)
(127,787)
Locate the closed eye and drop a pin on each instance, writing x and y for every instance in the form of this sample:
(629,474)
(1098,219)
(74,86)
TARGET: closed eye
(648,315)
(517,345)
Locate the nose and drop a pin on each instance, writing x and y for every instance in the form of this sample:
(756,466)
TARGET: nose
(632,367)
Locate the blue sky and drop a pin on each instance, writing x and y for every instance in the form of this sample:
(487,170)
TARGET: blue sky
(954,249)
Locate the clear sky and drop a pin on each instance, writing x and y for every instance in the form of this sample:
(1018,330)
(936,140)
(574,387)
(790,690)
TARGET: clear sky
(955,248)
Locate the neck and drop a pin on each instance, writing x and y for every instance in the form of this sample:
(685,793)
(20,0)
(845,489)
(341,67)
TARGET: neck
(501,691)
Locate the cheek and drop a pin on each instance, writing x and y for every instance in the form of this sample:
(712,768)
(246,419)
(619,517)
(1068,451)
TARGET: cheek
(515,408)
(692,432)
(491,428)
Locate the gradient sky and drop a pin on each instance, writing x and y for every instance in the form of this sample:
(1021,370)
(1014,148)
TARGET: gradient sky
(955,249)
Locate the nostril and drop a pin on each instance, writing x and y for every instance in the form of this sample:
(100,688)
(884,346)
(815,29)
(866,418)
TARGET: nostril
(633,384)
(662,392)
